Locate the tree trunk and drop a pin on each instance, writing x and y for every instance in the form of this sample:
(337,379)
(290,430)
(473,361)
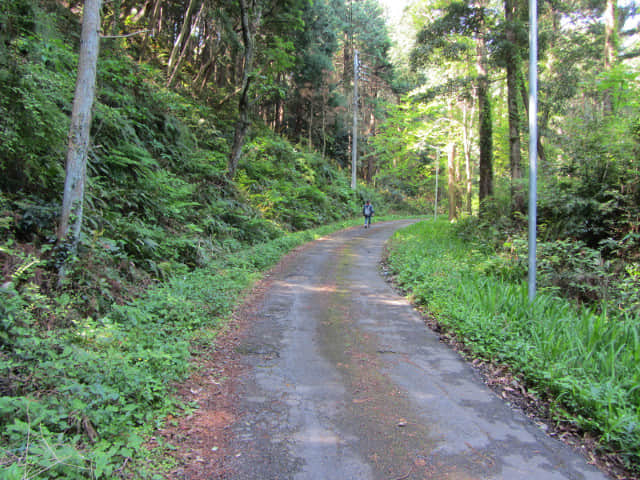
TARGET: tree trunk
(324,132)
(310,138)
(610,32)
(152,23)
(371,160)
(451,184)
(515,154)
(207,58)
(177,46)
(78,148)
(346,59)
(242,126)
(485,125)
(115,22)
(277,119)
(204,73)
(281,117)
(466,142)
(176,63)
(324,122)
(458,182)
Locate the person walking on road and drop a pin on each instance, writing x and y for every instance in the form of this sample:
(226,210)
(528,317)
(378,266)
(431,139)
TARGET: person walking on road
(367,211)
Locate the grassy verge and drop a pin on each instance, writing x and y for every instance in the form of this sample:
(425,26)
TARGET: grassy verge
(78,403)
(587,363)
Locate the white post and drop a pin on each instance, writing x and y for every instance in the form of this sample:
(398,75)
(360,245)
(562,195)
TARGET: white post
(435,203)
(354,137)
(533,143)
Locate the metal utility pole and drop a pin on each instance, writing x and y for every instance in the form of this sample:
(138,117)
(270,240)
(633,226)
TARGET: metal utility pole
(354,137)
(533,144)
(435,203)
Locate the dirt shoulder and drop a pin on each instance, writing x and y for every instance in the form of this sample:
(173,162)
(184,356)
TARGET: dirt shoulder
(201,440)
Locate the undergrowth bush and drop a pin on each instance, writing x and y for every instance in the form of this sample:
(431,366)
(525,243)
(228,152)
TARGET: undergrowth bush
(567,268)
(294,188)
(584,361)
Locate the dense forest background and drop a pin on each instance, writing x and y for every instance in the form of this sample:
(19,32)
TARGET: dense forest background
(470,63)
(220,127)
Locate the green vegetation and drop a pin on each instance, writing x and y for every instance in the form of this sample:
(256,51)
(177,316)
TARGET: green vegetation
(89,360)
(79,402)
(174,230)
(463,116)
(583,361)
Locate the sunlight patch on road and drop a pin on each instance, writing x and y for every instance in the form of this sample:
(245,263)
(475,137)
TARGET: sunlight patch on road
(389,301)
(318,436)
(325,288)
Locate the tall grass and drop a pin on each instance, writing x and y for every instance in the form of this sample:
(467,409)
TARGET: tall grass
(587,362)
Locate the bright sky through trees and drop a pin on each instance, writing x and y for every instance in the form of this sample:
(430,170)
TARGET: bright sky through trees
(394,8)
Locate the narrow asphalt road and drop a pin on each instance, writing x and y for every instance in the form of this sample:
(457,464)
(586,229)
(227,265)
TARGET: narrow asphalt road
(344,381)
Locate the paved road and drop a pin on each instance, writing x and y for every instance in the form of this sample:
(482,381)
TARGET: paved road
(346,382)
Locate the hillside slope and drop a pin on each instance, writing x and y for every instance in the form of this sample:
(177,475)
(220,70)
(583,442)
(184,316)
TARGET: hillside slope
(168,244)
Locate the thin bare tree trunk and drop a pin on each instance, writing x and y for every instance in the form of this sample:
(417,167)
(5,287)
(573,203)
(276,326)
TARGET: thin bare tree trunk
(281,114)
(242,126)
(157,7)
(207,66)
(185,49)
(346,59)
(177,46)
(324,132)
(451,177)
(204,73)
(309,140)
(485,136)
(115,23)
(610,31)
(371,160)
(466,142)
(76,165)
(277,124)
(458,182)
(515,155)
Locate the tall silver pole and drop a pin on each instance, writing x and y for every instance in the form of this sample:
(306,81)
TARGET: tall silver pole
(435,203)
(533,143)
(354,137)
